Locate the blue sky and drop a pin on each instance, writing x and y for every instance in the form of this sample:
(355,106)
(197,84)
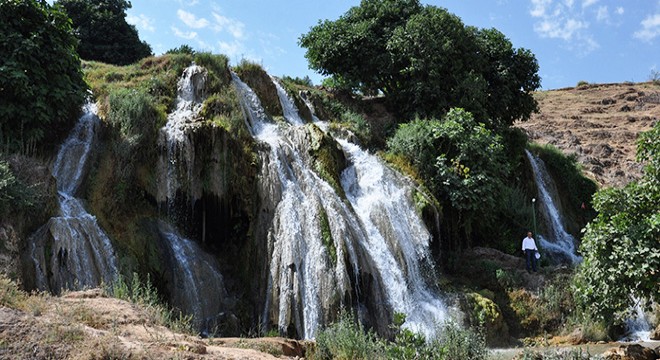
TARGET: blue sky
(598,41)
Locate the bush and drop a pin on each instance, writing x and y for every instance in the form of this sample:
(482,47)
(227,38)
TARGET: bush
(346,339)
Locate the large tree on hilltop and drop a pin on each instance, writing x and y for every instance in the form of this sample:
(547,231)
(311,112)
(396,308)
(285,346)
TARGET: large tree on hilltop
(354,47)
(103,31)
(41,82)
(426,61)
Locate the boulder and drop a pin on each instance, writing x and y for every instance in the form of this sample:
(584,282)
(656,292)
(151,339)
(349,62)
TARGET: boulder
(655,334)
(630,352)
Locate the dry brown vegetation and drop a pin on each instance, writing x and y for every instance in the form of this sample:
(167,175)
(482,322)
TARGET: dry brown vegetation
(599,123)
(89,325)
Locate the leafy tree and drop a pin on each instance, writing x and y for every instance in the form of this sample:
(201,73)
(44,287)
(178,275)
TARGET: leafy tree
(621,247)
(103,31)
(464,162)
(425,60)
(41,83)
(354,48)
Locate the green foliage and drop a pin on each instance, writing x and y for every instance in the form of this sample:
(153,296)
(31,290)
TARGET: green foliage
(103,31)
(145,294)
(304,81)
(463,163)
(136,120)
(347,339)
(425,60)
(621,247)
(217,66)
(183,49)
(14,195)
(582,83)
(41,85)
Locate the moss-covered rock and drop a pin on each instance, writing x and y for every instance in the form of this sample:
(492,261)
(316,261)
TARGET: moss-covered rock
(482,311)
(261,83)
(327,156)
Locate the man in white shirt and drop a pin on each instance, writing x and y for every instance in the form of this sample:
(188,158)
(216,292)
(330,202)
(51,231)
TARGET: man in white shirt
(530,249)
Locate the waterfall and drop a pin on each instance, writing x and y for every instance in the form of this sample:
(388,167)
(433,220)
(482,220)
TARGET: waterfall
(638,327)
(71,251)
(559,243)
(194,281)
(196,285)
(362,246)
(180,155)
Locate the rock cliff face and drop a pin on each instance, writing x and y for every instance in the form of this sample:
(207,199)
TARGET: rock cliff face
(599,124)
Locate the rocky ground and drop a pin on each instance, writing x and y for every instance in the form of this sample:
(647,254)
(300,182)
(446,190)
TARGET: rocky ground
(89,325)
(599,124)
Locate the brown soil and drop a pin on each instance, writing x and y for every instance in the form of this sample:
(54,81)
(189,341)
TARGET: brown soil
(599,124)
(88,325)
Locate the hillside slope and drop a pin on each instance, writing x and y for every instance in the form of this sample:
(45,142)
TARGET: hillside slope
(599,123)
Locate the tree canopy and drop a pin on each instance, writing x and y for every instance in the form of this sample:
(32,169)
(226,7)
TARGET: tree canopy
(103,31)
(41,82)
(425,60)
(621,247)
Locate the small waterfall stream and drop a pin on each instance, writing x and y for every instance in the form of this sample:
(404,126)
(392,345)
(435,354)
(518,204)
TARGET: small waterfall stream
(195,284)
(558,242)
(79,253)
(368,249)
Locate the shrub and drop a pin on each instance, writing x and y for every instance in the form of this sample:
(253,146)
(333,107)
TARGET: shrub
(347,339)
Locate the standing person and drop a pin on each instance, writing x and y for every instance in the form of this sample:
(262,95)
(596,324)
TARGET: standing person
(530,249)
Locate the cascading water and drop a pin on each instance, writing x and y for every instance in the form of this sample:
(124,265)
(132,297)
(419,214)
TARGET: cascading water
(365,248)
(559,242)
(195,284)
(638,327)
(180,155)
(79,253)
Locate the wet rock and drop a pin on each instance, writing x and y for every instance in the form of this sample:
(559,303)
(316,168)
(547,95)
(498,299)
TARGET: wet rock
(630,352)
(655,334)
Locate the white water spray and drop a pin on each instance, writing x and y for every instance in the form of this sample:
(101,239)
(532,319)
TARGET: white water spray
(376,233)
(558,241)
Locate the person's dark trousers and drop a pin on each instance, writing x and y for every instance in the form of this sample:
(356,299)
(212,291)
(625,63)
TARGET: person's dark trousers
(530,260)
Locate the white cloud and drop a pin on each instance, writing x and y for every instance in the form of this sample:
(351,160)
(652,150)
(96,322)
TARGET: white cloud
(232,49)
(650,28)
(142,22)
(188,2)
(539,7)
(587,3)
(560,19)
(232,26)
(189,35)
(191,20)
(602,14)
(619,10)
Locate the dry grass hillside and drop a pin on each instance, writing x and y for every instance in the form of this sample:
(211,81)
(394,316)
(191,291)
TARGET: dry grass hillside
(599,123)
